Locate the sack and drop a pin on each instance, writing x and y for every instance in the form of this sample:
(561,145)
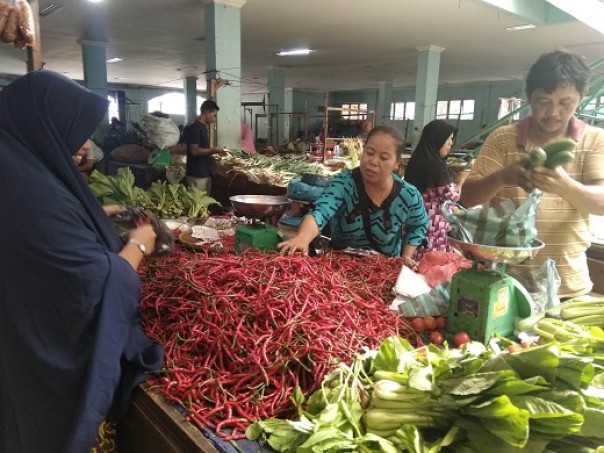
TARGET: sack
(132,154)
(506,224)
(159,132)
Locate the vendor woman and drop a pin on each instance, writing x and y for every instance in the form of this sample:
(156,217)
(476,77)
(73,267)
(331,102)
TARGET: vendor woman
(370,207)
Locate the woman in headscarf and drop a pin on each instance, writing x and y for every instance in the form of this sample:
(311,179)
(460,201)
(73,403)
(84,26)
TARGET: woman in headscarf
(71,347)
(427,170)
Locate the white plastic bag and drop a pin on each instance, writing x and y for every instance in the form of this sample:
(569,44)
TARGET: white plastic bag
(159,132)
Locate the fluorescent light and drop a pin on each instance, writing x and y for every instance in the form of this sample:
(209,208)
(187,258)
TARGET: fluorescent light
(114,60)
(95,1)
(294,52)
(521,27)
(121,78)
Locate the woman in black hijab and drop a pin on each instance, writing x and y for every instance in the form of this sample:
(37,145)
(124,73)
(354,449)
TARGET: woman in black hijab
(427,170)
(71,346)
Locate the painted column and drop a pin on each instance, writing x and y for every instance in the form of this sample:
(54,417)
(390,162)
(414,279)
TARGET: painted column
(94,59)
(384,99)
(426,91)
(190,89)
(223,61)
(276,99)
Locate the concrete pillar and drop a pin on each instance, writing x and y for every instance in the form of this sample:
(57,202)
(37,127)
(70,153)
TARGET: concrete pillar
(426,91)
(94,59)
(276,99)
(384,99)
(190,89)
(223,60)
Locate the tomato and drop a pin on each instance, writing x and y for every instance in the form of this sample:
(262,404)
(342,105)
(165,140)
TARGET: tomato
(514,348)
(461,338)
(441,323)
(436,337)
(430,323)
(418,324)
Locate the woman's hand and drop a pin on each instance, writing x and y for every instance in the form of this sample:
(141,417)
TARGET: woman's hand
(145,235)
(410,263)
(113,209)
(294,245)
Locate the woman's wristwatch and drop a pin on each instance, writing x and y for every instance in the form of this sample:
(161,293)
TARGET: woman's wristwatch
(140,245)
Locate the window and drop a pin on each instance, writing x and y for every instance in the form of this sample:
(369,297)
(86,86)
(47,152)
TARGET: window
(595,107)
(455,109)
(171,103)
(402,111)
(114,110)
(507,106)
(352,111)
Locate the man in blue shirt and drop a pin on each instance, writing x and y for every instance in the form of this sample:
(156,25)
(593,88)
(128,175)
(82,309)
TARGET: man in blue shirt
(197,138)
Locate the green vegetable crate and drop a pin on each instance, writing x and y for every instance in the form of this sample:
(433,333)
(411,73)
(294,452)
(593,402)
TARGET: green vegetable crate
(485,303)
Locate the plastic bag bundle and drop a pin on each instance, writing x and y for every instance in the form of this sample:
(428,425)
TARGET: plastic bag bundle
(507,224)
(159,132)
(128,220)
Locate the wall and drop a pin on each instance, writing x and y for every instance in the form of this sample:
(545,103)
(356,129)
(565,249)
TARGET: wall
(486,96)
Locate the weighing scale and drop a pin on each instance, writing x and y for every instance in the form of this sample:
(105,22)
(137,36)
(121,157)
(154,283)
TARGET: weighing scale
(486,302)
(262,213)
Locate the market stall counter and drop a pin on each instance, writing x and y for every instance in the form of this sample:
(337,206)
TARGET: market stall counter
(242,332)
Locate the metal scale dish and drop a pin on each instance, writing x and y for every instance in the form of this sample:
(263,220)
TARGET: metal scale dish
(264,212)
(487,302)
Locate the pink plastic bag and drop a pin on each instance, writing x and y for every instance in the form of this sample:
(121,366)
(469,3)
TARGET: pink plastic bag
(439,267)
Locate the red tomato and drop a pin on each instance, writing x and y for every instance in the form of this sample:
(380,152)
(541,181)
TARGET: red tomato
(418,324)
(441,323)
(514,348)
(430,323)
(461,338)
(436,337)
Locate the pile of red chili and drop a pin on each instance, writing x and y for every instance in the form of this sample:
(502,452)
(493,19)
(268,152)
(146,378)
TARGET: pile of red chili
(241,331)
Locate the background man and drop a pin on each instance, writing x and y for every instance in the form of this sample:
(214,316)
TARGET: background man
(555,86)
(197,138)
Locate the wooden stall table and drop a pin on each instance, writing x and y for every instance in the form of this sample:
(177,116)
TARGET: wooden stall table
(153,425)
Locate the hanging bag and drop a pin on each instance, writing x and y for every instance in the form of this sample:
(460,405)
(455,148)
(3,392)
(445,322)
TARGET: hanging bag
(507,224)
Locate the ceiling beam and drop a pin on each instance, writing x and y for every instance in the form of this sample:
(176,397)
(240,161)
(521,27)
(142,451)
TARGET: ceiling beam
(590,12)
(538,12)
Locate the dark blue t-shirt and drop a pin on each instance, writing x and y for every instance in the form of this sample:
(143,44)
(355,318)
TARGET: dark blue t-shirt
(197,166)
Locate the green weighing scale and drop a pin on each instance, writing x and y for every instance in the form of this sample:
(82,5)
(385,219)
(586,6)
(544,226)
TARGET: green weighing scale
(486,302)
(262,212)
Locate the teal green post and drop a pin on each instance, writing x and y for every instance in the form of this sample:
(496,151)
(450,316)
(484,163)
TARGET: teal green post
(276,99)
(426,89)
(223,60)
(190,88)
(94,59)
(384,99)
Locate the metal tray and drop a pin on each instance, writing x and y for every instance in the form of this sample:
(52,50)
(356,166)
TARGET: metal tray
(508,255)
(259,206)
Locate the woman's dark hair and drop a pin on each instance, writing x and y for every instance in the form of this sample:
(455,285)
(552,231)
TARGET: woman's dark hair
(395,133)
(555,68)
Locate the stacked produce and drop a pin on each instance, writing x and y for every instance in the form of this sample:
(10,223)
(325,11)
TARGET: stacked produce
(431,399)
(272,170)
(242,332)
(17,23)
(165,200)
(557,153)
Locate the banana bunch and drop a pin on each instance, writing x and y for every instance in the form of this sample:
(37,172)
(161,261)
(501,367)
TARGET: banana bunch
(557,153)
